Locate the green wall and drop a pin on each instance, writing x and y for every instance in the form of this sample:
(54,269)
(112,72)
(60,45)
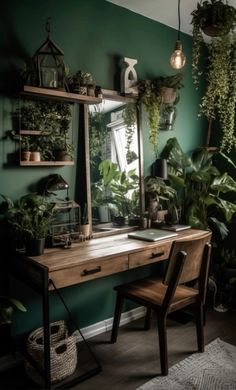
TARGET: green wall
(95,35)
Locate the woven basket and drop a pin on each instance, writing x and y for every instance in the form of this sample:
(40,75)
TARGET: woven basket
(63,352)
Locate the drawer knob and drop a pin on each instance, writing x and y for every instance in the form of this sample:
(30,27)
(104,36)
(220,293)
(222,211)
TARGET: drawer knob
(91,271)
(157,254)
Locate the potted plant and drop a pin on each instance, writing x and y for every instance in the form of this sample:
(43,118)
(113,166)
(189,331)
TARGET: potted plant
(31,217)
(79,82)
(152,94)
(63,149)
(25,148)
(216,18)
(159,195)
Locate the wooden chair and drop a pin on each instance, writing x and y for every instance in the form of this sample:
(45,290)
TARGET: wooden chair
(188,261)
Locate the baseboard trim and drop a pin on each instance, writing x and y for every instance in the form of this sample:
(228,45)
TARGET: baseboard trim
(106,325)
(10,361)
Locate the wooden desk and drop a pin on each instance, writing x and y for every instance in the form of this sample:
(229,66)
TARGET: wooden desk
(85,261)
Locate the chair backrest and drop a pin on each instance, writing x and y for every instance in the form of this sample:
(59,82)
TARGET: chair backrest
(196,261)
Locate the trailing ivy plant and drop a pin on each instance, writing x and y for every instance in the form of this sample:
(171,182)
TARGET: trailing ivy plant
(213,18)
(130,118)
(216,19)
(219,99)
(150,95)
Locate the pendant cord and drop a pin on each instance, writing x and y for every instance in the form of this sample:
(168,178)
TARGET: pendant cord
(179,20)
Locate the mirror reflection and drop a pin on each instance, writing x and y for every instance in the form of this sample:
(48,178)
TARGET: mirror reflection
(114,165)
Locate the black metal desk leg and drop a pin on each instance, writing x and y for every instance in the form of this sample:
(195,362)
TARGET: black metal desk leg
(46,329)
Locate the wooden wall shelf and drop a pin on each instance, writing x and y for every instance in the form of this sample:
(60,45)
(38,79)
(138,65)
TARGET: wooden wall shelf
(60,95)
(34,132)
(45,163)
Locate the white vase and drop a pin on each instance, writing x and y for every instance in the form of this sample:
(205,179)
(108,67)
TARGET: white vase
(104,214)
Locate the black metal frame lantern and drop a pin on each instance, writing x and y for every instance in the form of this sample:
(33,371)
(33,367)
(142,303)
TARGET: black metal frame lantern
(49,64)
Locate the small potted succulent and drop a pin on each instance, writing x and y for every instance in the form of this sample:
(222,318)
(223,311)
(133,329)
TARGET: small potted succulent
(79,82)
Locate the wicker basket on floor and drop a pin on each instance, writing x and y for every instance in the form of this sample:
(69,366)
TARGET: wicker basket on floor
(63,352)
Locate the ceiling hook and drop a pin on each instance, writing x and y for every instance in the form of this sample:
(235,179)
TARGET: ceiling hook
(47,26)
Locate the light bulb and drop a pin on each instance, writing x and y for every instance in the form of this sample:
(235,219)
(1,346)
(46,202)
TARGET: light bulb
(178,59)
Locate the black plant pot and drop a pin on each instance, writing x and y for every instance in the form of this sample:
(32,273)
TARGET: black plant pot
(119,220)
(62,155)
(35,247)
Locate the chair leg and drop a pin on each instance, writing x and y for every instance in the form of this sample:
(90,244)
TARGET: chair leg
(117,315)
(199,326)
(148,317)
(161,323)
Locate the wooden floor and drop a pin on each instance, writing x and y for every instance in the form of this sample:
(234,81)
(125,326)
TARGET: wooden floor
(134,358)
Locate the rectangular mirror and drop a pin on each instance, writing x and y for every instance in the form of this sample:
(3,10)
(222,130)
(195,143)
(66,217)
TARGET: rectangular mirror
(116,173)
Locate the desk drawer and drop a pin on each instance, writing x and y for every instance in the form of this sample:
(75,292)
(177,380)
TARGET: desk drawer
(148,256)
(88,271)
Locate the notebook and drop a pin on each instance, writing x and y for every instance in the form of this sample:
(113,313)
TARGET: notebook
(151,234)
(176,228)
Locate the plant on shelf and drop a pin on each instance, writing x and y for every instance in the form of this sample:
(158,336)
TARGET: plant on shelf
(44,115)
(79,82)
(30,218)
(218,20)
(151,94)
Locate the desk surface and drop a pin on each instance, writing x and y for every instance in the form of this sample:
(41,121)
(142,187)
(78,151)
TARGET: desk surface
(105,256)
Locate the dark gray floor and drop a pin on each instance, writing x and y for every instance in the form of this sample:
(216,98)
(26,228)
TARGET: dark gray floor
(134,358)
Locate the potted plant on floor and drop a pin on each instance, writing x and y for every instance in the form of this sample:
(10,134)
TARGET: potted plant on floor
(30,217)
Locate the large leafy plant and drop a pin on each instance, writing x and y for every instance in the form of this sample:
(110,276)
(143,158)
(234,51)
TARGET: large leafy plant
(201,187)
(118,189)
(30,216)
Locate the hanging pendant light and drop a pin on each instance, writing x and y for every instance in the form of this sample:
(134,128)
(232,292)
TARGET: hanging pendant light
(178,59)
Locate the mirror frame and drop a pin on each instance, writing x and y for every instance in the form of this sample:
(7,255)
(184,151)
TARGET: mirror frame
(113,95)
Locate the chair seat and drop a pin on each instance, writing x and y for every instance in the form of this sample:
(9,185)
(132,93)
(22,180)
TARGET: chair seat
(151,292)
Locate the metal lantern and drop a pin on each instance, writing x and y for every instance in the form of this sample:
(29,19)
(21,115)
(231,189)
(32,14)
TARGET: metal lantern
(49,64)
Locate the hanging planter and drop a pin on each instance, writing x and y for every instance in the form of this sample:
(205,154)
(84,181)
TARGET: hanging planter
(216,19)
(152,94)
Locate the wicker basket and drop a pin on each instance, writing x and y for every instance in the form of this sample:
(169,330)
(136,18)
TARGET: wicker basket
(63,352)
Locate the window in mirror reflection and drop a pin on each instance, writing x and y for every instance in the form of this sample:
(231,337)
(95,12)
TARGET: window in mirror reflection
(114,165)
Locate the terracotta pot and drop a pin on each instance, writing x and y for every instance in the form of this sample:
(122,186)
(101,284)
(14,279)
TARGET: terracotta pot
(85,230)
(35,156)
(168,95)
(25,155)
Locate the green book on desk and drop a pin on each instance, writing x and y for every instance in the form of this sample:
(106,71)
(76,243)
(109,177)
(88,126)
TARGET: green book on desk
(176,227)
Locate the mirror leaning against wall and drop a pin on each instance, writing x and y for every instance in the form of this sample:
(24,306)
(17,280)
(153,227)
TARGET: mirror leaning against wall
(116,166)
